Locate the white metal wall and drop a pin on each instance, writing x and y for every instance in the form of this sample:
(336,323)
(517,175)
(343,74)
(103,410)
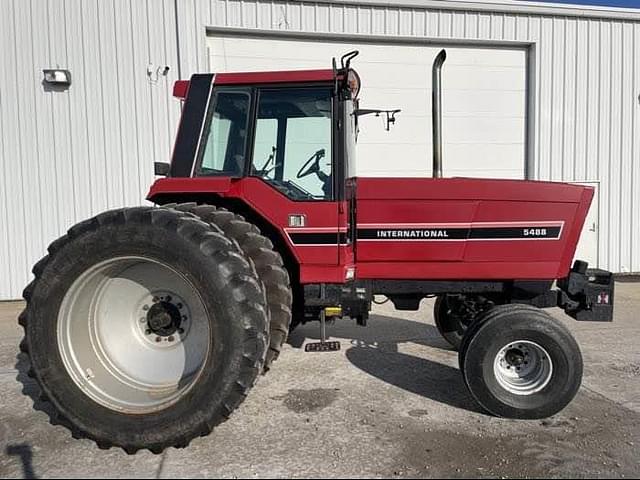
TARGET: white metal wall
(67,155)
(483,108)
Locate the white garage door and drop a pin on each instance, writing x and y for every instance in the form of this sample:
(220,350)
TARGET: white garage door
(483,101)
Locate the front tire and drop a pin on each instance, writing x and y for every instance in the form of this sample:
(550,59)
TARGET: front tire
(144,328)
(519,362)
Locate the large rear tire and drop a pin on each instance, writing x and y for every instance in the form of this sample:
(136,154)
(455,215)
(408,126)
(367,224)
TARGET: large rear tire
(268,263)
(519,362)
(144,328)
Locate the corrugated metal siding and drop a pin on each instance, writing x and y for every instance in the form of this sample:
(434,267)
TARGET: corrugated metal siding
(587,87)
(67,155)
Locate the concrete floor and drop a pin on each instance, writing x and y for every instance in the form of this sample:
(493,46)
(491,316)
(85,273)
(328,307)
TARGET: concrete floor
(392,403)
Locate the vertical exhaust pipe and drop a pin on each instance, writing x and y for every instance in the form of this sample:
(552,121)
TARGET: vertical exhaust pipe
(436,112)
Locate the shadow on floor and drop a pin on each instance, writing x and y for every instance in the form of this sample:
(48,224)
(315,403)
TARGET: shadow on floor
(375,350)
(24,452)
(429,379)
(31,389)
(381,329)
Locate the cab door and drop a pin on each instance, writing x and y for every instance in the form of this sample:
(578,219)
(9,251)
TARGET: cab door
(293,156)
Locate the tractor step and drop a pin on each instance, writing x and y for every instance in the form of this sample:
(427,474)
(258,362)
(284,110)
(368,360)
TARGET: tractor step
(322,347)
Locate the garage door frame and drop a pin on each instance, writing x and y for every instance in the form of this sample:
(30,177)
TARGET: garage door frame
(529,49)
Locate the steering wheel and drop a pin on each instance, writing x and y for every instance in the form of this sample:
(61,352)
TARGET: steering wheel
(312,165)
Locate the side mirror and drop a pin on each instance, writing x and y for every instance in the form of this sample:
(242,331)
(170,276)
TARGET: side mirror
(161,168)
(390,115)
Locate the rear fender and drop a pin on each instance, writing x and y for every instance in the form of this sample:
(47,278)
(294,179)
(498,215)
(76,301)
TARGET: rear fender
(170,187)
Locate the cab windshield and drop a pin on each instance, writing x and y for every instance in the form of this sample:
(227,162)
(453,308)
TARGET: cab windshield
(292,148)
(293,141)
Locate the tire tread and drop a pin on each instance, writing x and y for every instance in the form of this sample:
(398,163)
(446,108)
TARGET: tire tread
(267,261)
(242,283)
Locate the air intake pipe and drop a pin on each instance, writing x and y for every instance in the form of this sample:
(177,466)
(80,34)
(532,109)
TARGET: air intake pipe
(436,112)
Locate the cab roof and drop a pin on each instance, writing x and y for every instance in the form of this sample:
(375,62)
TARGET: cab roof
(181,87)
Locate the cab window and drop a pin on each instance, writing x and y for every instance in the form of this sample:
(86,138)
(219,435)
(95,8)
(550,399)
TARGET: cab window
(293,142)
(225,135)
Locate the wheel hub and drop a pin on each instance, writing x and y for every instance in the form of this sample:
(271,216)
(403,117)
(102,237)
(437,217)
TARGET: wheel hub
(514,357)
(129,342)
(523,367)
(164,318)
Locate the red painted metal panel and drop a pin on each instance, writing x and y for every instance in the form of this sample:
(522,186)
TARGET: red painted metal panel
(467,228)
(275,208)
(180,89)
(322,274)
(251,78)
(190,185)
(411,213)
(466,189)
(471,228)
(525,214)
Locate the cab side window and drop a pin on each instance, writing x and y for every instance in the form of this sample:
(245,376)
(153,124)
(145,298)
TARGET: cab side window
(225,135)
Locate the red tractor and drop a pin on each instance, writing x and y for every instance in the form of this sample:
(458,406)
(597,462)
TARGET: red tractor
(146,327)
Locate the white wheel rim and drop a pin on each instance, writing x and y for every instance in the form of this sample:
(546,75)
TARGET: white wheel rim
(523,367)
(109,347)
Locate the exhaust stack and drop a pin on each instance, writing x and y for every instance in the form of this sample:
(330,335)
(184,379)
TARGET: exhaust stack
(436,112)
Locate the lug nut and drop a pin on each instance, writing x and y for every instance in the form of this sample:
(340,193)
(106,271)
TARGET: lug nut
(146,307)
(179,305)
(158,339)
(143,319)
(147,332)
(181,330)
(168,298)
(171,338)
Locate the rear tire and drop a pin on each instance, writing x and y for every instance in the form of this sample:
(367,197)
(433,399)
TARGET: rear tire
(115,372)
(268,264)
(519,362)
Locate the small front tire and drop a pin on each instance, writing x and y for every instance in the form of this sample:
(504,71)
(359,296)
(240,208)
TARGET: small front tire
(519,362)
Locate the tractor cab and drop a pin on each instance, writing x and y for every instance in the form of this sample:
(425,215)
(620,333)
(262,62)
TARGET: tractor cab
(295,131)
